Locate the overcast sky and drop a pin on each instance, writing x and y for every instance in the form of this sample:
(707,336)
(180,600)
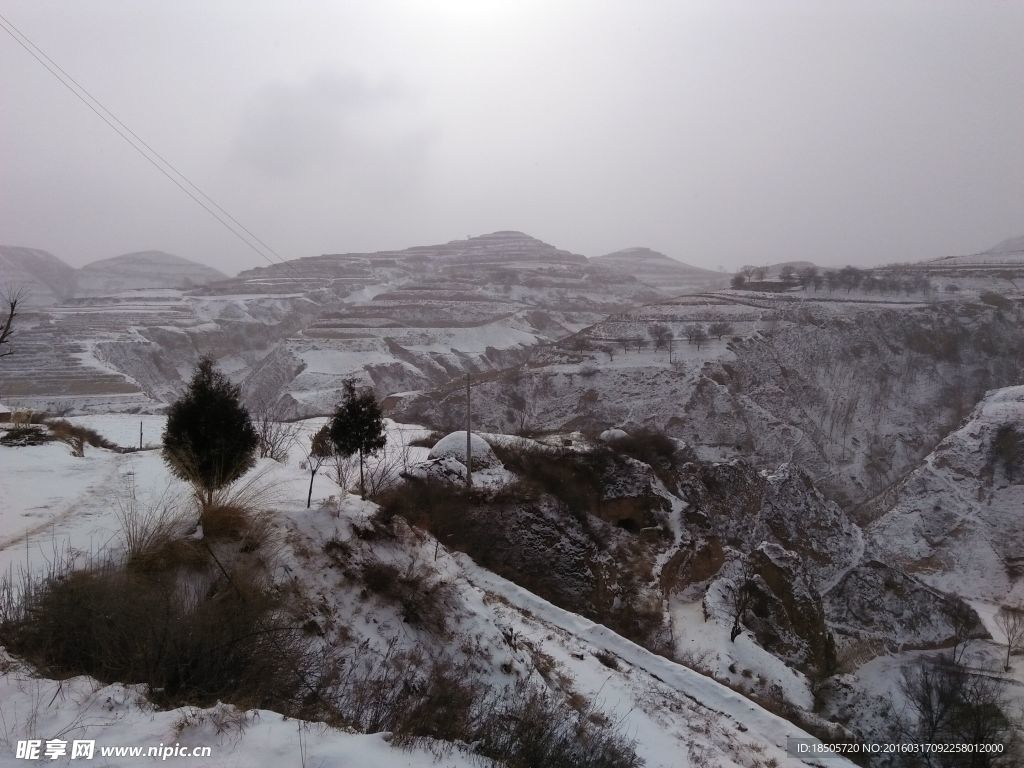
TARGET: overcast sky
(718,132)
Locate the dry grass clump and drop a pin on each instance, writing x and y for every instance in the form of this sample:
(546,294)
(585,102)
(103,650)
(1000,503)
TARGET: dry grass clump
(74,434)
(153,536)
(164,610)
(521,726)
(191,642)
(240,512)
(424,599)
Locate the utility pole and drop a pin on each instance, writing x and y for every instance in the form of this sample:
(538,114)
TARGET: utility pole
(140,434)
(670,340)
(469,435)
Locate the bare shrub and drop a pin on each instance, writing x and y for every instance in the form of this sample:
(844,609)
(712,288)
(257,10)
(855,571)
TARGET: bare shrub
(996,300)
(657,450)
(608,659)
(521,726)
(25,435)
(422,597)
(530,727)
(344,471)
(276,436)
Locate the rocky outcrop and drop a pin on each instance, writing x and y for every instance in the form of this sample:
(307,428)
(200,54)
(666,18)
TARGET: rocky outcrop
(955,522)
(880,603)
(742,507)
(784,610)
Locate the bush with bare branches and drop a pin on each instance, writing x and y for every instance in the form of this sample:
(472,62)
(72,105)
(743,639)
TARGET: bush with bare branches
(276,436)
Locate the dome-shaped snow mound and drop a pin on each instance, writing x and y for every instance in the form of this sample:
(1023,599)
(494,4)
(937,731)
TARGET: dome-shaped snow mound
(611,435)
(453,446)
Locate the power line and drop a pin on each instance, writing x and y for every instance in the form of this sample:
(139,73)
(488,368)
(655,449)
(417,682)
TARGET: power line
(142,141)
(124,131)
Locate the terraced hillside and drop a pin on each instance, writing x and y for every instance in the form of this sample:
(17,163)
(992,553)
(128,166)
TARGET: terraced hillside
(293,332)
(855,391)
(417,318)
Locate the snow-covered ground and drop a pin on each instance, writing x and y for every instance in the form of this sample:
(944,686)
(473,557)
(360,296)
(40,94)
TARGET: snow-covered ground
(54,501)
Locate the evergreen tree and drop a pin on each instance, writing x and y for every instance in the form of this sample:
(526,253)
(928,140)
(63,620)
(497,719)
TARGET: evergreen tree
(209,439)
(358,426)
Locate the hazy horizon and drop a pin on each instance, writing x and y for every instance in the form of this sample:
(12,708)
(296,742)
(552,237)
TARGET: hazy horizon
(718,133)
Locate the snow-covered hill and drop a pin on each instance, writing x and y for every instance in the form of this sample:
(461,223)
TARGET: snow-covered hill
(43,277)
(667,275)
(145,269)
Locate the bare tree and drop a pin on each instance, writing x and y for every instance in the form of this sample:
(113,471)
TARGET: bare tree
(276,436)
(964,621)
(520,391)
(949,704)
(1010,619)
(343,471)
(718,330)
(696,334)
(740,595)
(320,450)
(9,303)
(807,275)
(660,334)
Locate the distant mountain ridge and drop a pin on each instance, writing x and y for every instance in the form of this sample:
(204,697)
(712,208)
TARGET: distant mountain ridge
(649,258)
(1009,252)
(47,280)
(143,269)
(659,271)
(44,278)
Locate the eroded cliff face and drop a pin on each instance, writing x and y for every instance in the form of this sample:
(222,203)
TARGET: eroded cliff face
(956,521)
(857,394)
(858,400)
(768,553)
(622,540)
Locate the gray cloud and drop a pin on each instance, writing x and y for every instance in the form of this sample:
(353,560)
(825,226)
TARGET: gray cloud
(328,121)
(720,132)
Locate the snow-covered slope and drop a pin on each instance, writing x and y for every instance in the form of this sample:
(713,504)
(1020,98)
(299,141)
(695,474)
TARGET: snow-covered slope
(44,278)
(677,717)
(957,520)
(145,269)
(1008,253)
